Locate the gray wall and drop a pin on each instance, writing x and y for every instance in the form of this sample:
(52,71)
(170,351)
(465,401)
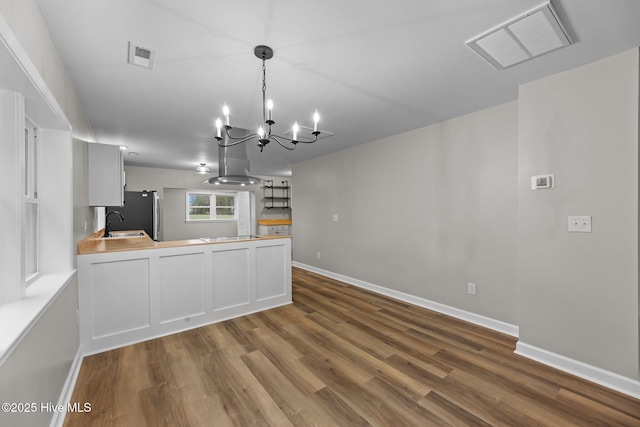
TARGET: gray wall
(422,212)
(84,219)
(427,211)
(175,226)
(578,293)
(142,178)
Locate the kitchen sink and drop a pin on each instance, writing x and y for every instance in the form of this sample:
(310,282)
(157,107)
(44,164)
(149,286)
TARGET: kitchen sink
(116,234)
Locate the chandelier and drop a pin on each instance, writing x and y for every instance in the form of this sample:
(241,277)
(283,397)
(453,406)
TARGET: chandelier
(264,133)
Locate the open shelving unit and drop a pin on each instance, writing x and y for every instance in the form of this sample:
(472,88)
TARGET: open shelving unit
(277,196)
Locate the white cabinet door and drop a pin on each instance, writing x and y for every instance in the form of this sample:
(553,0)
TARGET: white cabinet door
(106,175)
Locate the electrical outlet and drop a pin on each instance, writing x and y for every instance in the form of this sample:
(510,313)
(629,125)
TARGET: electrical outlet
(318,255)
(471,288)
(580,224)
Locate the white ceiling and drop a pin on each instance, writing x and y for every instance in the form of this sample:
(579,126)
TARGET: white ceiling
(372,68)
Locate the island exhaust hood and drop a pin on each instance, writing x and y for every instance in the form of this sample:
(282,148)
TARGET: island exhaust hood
(233,167)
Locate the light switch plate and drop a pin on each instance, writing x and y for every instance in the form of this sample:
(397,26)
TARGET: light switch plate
(580,224)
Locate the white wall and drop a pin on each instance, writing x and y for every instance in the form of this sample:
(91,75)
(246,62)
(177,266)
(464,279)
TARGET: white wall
(424,212)
(36,369)
(39,366)
(578,293)
(11,196)
(27,23)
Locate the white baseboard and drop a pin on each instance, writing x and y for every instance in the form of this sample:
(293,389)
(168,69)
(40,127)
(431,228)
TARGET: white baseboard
(582,370)
(588,372)
(67,390)
(467,316)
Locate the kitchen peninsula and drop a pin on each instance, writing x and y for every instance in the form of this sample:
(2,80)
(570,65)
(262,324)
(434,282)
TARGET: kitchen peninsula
(132,289)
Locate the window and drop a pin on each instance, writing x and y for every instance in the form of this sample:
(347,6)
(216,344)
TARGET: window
(31,219)
(203,206)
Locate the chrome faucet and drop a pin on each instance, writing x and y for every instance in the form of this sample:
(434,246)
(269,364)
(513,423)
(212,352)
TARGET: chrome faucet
(107,233)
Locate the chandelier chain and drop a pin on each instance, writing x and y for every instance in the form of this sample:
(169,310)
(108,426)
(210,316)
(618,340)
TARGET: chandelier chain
(264,90)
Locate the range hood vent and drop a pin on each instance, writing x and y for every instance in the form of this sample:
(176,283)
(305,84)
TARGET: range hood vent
(525,37)
(233,167)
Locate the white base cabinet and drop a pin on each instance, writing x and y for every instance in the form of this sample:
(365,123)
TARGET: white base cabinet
(132,296)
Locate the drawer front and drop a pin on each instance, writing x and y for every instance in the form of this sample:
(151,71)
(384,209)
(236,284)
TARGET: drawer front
(278,230)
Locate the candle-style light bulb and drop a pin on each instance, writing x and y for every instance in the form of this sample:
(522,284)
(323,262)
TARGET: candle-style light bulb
(269,109)
(316,119)
(225,112)
(261,132)
(218,127)
(295,131)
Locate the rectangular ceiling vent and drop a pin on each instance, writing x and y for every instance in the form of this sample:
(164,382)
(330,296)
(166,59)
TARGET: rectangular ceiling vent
(525,37)
(142,56)
(305,133)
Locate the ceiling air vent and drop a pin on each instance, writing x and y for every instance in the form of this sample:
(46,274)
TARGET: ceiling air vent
(306,133)
(141,56)
(525,37)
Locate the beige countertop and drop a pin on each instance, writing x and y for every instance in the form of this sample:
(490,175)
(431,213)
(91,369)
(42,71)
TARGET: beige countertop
(283,221)
(95,243)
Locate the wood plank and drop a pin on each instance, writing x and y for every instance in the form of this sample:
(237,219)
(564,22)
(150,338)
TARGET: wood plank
(339,355)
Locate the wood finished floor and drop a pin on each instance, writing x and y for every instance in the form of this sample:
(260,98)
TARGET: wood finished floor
(337,356)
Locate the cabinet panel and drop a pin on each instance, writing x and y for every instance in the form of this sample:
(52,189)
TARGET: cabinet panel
(106,175)
(120,296)
(131,296)
(270,272)
(181,286)
(230,278)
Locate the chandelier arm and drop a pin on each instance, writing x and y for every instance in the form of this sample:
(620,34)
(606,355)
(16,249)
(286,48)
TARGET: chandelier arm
(315,138)
(275,138)
(231,144)
(295,141)
(237,140)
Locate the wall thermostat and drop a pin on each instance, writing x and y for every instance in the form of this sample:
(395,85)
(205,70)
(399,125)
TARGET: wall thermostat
(542,182)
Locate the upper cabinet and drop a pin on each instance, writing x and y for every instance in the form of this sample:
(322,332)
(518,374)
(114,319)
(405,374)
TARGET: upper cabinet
(106,175)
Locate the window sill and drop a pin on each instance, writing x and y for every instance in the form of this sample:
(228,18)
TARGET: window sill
(17,318)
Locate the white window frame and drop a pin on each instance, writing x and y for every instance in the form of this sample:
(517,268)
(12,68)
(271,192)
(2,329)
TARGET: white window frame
(31,254)
(22,307)
(212,206)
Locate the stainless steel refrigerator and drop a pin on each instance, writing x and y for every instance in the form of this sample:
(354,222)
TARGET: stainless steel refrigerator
(141,211)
